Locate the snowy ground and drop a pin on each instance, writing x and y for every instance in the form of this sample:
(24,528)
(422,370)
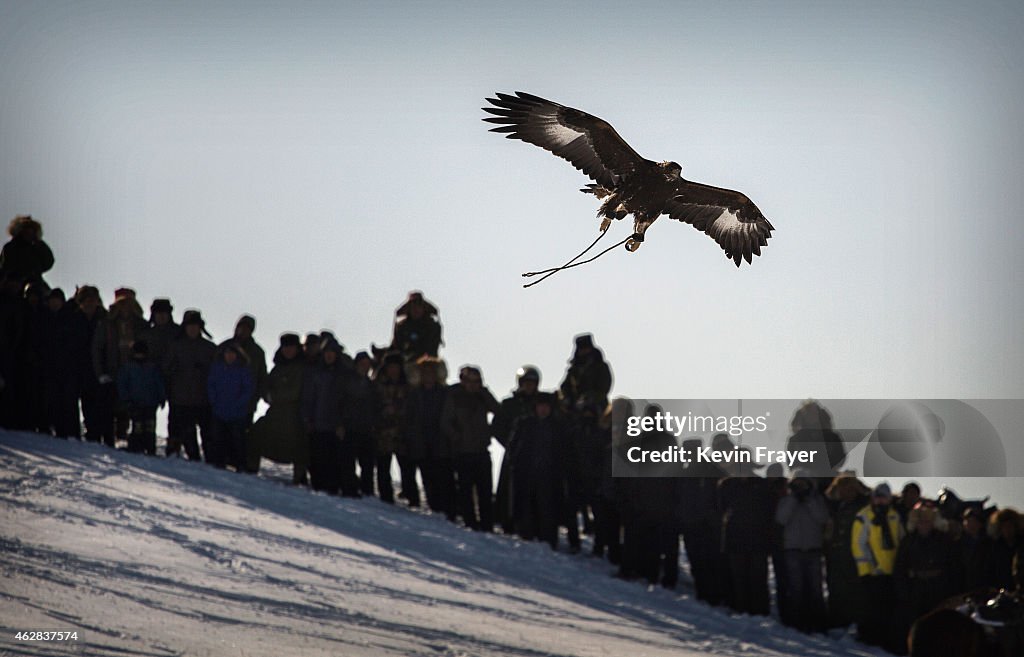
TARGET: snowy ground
(149,556)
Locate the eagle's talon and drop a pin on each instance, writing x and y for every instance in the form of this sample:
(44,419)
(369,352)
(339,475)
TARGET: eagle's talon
(605,223)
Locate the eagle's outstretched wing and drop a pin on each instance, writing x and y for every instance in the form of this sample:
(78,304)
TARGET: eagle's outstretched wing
(728,217)
(589,143)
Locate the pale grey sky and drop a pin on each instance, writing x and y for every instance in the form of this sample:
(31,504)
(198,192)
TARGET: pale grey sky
(311,163)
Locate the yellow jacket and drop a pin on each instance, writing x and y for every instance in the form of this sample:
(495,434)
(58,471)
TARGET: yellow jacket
(866,542)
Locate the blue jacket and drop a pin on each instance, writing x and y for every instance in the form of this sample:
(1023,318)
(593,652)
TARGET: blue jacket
(230,388)
(141,384)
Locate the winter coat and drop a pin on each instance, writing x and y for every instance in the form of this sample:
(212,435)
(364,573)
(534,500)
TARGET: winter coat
(323,397)
(115,334)
(84,332)
(926,571)
(464,424)
(747,505)
(360,406)
(256,361)
(141,384)
(846,597)
(279,434)
(230,388)
(60,341)
(26,261)
(589,380)
(511,409)
(591,445)
(803,521)
(1003,556)
(423,409)
(537,452)
(390,421)
(415,338)
(159,338)
(187,369)
(976,561)
(867,542)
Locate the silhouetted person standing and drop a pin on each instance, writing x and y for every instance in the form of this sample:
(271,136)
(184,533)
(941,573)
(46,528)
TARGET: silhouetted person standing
(230,387)
(256,360)
(140,387)
(417,330)
(519,405)
(26,257)
(187,369)
(61,378)
(424,405)
(589,379)
(279,434)
(467,435)
(323,404)
(111,349)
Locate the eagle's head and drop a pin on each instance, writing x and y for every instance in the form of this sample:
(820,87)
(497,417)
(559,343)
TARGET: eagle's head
(672,169)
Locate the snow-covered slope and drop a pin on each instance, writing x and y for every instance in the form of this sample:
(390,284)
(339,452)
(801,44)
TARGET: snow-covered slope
(149,556)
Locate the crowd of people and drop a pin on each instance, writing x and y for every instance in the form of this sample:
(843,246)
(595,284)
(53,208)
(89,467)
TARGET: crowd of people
(842,554)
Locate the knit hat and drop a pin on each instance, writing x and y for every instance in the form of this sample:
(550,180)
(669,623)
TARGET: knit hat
(246,320)
(882,490)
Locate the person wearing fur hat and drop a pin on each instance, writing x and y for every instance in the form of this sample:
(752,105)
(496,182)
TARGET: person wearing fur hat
(466,436)
(279,434)
(58,364)
(846,496)
(803,515)
(1006,527)
(417,331)
(812,432)
(140,386)
(875,540)
(519,404)
(392,390)
(111,349)
(187,369)
(588,379)
(26,257)
(161,330)
(927,569)
(422,440)
(747,503)
(89,314)
(360,418)
(538,450)
(323,402)
(975,546)
(230,387)
(256,361)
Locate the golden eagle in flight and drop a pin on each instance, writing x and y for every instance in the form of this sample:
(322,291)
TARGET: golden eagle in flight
(628,183)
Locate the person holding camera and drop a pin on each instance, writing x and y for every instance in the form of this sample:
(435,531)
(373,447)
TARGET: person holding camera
(803,515)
